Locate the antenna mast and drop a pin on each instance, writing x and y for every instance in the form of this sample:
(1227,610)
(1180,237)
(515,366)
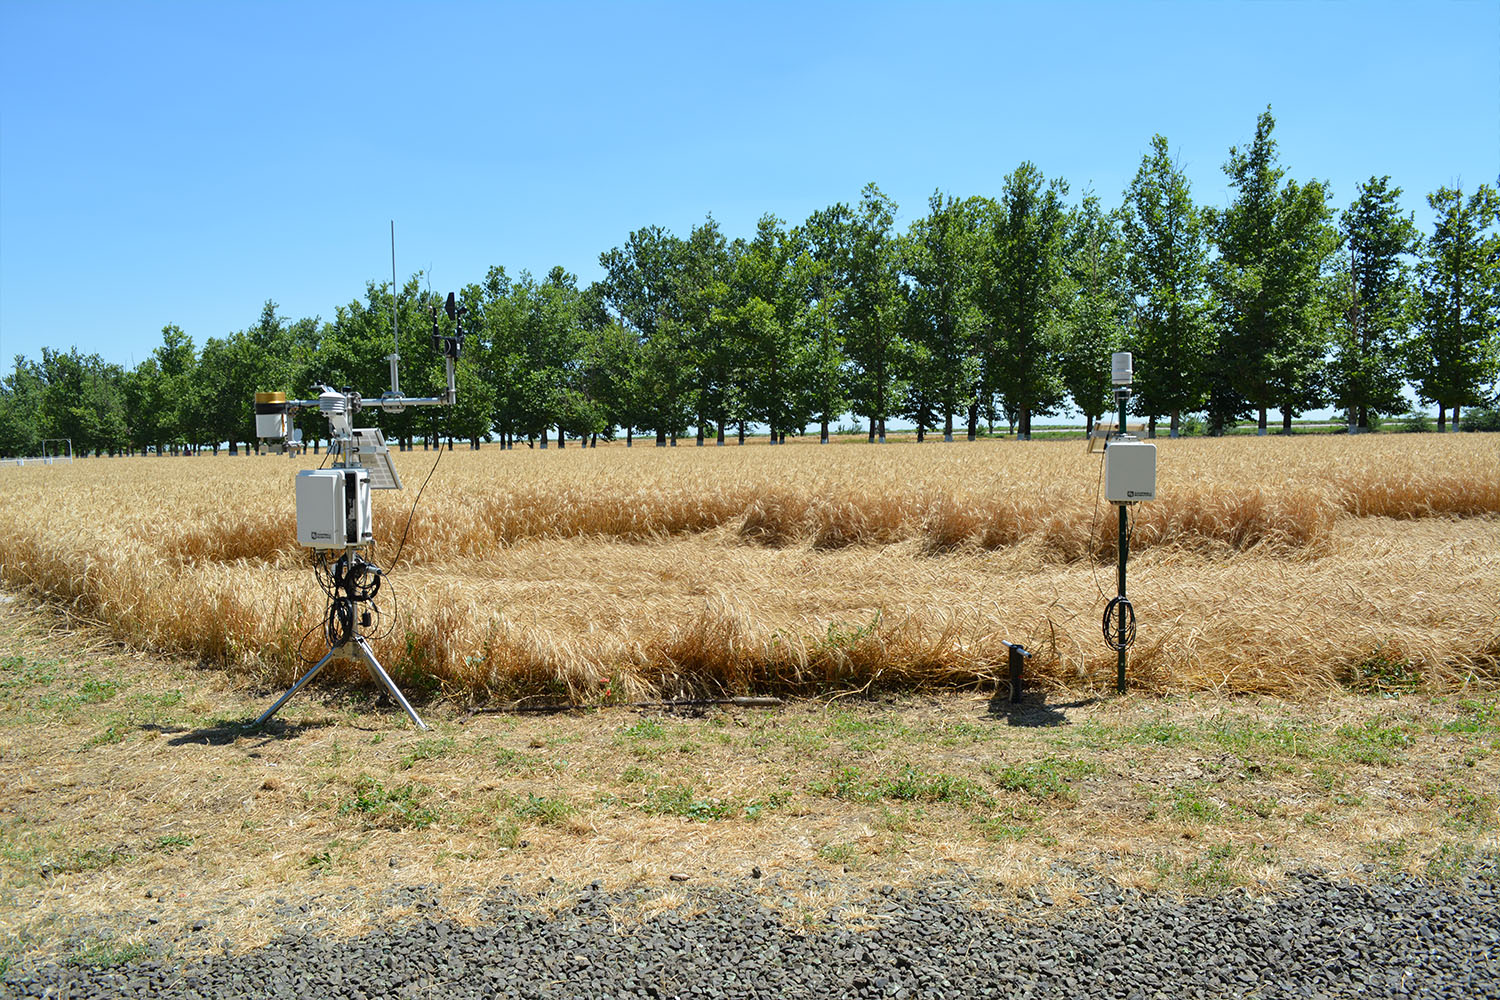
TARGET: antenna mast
(395,355)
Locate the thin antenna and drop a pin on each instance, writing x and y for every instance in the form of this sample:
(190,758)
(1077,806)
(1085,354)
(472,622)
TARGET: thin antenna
(395,357)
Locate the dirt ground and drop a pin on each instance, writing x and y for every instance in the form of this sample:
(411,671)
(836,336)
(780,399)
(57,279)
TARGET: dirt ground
(136,808)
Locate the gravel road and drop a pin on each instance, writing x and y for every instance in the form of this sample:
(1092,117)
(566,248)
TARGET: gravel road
(1315,938)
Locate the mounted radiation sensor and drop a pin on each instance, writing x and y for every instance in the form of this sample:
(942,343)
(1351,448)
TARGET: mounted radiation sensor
(1121,369)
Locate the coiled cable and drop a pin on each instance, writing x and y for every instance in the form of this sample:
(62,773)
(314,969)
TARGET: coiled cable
(1118,634)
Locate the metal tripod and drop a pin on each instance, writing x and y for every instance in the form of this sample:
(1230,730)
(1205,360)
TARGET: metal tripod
(361,651)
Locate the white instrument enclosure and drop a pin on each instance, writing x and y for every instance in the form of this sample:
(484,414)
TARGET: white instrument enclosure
(1129,471)
(333,508)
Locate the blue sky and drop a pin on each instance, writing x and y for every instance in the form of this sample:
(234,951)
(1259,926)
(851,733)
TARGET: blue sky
(182,163)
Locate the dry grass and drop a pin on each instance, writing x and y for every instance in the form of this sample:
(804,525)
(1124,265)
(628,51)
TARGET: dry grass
(1268,566)
(132,802)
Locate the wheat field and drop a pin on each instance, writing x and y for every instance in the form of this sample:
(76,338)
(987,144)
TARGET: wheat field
(1273,565)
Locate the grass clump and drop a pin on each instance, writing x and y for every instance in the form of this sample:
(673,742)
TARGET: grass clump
(1383,673)
(1377,741)
(429,749)
(542,809)
(18,672)
(1047,779)
(108,955)
(912,784)
(397,807)
(907,784)
(1467,809)
(682,800)
(1192,805)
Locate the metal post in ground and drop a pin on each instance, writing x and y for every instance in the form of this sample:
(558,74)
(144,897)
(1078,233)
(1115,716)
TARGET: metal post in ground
(1122,394)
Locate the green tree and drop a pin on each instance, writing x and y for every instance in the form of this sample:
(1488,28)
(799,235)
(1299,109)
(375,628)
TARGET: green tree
(1373,293)
(1097,307)
(1454,358)
(609,358)
(939,256)
(1019,291)
(232,369)
(81,400)
(20,401)
(1166,264)
(770,329)
(705,325)
(164,400)
(640,285)
(872,308)
(821,280)
(1274,242)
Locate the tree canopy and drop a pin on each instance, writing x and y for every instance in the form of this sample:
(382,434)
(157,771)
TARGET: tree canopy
(979,308)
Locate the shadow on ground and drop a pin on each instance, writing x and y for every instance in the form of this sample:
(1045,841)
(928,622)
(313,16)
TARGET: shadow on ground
(227,731)
(1033,713)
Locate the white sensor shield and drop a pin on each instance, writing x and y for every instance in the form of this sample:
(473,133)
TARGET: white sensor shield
(1129,471)
(1121,368)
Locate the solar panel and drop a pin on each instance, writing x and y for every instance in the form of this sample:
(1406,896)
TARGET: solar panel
(368,450)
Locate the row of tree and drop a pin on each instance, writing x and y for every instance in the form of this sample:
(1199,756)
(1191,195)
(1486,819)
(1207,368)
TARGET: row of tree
(984,309)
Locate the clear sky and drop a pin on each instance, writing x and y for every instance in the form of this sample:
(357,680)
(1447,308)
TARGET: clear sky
(182,163)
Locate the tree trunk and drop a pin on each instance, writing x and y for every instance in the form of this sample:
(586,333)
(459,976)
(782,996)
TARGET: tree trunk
(700,433)
(561,437)
(1442,418)
(1260,425)
(948,426)
(1023,427)
(720,441)
(1364,419)
(823,432)
(1088,425)
(1176,430)
(1151,426)
(882,430)
(1286,421)
(782,439)
(742,432)
(921,432)
(872,430)
(973,421)
(661,439)
(544,438)
(1455,416)
(672,439)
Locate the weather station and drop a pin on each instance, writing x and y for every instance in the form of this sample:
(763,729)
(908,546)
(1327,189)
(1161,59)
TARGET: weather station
(1129,478)
(334,518)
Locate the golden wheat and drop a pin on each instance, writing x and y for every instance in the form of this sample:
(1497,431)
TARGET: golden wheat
(1267,564)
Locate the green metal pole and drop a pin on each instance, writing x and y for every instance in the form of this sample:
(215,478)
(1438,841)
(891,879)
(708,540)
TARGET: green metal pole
(1121,395)
(1124,554)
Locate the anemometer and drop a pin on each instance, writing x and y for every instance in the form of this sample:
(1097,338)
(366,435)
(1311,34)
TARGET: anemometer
(1129,478)
(333,504)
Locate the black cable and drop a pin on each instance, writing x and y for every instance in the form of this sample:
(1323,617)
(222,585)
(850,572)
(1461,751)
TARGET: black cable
(1116,642)
(1094,530)
(1121,638)
(400,547)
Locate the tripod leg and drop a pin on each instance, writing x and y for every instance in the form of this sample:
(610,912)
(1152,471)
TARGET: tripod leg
(305,678)
(375,668)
